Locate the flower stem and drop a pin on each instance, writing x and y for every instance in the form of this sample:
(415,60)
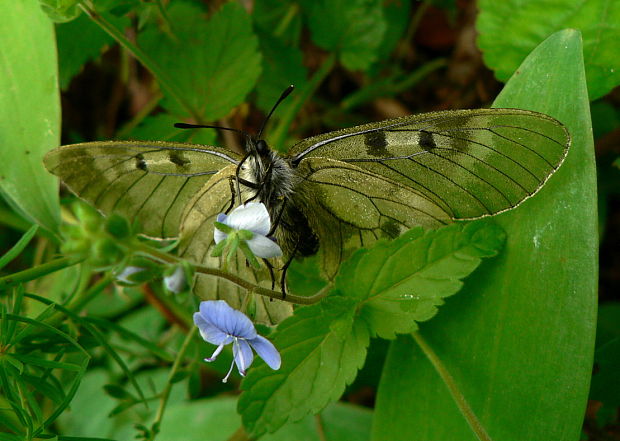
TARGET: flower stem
(166,392)
(457,396)
(39,271)
(300,300)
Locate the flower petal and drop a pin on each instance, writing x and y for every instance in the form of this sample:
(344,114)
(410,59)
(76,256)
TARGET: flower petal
(243,355)
(252,216)
(267,351)
(264,247)
(227,319)
(209,332)
(176,281)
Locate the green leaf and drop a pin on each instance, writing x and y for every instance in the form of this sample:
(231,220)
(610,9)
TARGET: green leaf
(282,66)
(161,127)
(397,16)
(60,10)
(29,111)
(352,29)
(116,391)
(509,30)
(518,339)
(79,42)
(322,349)
(403,281)
(280,19)
(213,63)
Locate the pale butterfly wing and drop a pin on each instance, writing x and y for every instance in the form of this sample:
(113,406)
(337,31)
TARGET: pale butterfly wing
(349,207)
(471,163)
(197,241)
(147,181)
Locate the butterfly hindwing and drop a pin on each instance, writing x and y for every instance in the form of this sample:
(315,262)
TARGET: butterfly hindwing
(148,181)
(349,207)
(197,241)
(471,163)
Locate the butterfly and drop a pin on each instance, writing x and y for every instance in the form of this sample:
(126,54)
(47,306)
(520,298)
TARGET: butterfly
(330,194)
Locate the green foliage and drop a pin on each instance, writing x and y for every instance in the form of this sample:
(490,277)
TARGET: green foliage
(80,41)
(383,290)
(84,356)
(29,112)
(353,30)
(212,64)
(61,10)
(509,30)
(524,326)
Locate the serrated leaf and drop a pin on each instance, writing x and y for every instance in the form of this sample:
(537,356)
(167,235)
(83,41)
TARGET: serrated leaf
(29,111)
(80,41)
(213,64)
(322,349)
(403,281)
(352,29)
(509,30)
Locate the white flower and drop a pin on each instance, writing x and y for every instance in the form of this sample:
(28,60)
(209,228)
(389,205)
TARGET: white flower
(252,217)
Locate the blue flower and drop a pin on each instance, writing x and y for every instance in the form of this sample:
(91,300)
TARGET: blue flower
(219,324)
(252,217)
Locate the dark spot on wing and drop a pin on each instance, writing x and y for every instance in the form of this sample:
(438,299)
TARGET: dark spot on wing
(140,162)
(427,142)
(376,143)
(390,229)
(177,159)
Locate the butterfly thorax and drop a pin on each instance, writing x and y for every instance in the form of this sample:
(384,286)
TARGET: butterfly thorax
(272,178)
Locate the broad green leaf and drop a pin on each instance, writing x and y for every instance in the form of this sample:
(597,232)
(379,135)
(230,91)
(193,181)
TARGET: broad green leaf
(403,281)
(352,29)
(322,348)
(29,111)
(80,41)
(213,63)
(509,30)
(518,339)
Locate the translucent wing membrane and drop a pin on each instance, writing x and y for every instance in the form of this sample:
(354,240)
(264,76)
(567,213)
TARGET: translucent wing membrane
(471,163)
(349,207)
(147,181)
(218,196)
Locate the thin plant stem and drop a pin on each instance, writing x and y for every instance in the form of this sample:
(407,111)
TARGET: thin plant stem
(39,271)
(455,392)
(291,298)
(162,77)
(166,392)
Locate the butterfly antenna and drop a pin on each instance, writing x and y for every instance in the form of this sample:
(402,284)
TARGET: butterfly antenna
(286,93)
(201,126)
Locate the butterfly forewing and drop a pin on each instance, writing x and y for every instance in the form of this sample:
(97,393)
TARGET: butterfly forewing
(146,181)
(197,241)
(471,163)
